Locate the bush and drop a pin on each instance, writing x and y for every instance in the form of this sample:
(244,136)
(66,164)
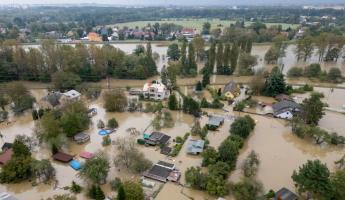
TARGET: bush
(106,140)
(115,184)
(95,192)
(295,72)
(334,75)
(239,106)
(115,101)
(242,126)
(112,123)
(313,70)
(75,188)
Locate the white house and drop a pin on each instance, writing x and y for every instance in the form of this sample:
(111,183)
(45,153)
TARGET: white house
(285,109)
(155,90)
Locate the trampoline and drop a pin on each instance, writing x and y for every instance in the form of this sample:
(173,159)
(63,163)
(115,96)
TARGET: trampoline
(103,132)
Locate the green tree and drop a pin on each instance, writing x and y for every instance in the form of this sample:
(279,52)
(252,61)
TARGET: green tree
(242,127)
(250,164)
(196,128)
(18,168)
(65,80)
(96,169)
(199,46)
(112,123)
(121,195)
(312,109)
(183,58)
(191,106)
(219,56)
(228,152)
(246,63)
(313,178)
(211,57)
(275,83)
(249,189)
(192,66)
(209,156)
(173,52)
(50,131)
(20,96)
(217,186)
(115,101)
(295,72)
(195,178)
(313,70)
(219,169)
(172,102)
(133,190)
(205,79)
(95,192)
(206,28)
(334,75)
(338,183)
(74,119)
(198,86)
(234,53)
(43,170)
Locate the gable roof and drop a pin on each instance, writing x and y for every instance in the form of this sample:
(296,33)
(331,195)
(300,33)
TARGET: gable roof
(215,120)
(285,194)
(285,105)
(158,137)
(63,157)
(231,87)
(195,146)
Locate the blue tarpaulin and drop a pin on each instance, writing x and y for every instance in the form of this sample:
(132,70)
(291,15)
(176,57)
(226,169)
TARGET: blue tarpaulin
(75,164)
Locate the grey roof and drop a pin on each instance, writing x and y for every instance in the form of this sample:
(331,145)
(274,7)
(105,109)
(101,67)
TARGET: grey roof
(195,146)
(215,121)
(53,98)
(165,164)
(231,87)
(285,194)
(158,137)
(285,105)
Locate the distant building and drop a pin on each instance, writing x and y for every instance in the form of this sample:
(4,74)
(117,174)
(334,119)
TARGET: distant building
(155,90)
(285,194)
(188,32)
(195,146)
(285,109)
(231,90)
(94,37)
(163,171)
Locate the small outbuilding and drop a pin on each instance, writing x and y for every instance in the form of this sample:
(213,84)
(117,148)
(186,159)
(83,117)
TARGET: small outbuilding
(62,157)
(91,112)
(214,122)
(195,146)
(72,95)
(81,138)
(166,150)
(285,194)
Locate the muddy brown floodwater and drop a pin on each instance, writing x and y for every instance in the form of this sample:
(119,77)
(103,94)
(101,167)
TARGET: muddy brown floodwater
(280,151)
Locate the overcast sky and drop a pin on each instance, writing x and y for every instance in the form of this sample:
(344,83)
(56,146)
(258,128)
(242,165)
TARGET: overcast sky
(174,2)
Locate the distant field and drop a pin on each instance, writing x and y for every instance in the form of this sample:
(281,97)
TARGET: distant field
(195,23)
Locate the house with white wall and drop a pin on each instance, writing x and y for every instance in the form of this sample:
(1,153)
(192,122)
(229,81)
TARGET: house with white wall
(155,90)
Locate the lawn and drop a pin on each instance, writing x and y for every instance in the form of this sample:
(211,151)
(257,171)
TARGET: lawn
(195,23)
